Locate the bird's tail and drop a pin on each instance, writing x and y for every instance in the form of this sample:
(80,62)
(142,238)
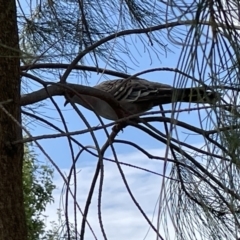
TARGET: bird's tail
(195,95)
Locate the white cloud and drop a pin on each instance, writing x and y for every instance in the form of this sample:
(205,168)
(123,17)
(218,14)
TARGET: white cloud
(121,218)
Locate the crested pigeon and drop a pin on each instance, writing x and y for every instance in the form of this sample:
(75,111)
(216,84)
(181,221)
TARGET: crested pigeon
(137,96)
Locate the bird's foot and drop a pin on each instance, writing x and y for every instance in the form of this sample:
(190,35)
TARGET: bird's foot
(119,127)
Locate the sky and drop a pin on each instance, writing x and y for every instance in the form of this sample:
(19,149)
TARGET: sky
(121,218)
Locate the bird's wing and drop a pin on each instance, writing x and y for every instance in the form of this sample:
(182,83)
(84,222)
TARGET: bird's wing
(133,90)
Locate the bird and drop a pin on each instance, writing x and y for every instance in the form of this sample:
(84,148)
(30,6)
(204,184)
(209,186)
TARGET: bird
(137,96)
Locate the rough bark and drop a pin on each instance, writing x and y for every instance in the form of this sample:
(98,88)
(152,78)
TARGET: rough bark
(12,217)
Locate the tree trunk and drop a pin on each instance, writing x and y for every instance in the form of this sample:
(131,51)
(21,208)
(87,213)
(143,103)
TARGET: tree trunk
(12,216)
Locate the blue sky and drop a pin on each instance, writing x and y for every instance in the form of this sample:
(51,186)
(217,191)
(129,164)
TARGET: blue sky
(121,218)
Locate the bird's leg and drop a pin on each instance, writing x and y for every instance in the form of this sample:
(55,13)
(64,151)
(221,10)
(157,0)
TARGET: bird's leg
(119,127)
